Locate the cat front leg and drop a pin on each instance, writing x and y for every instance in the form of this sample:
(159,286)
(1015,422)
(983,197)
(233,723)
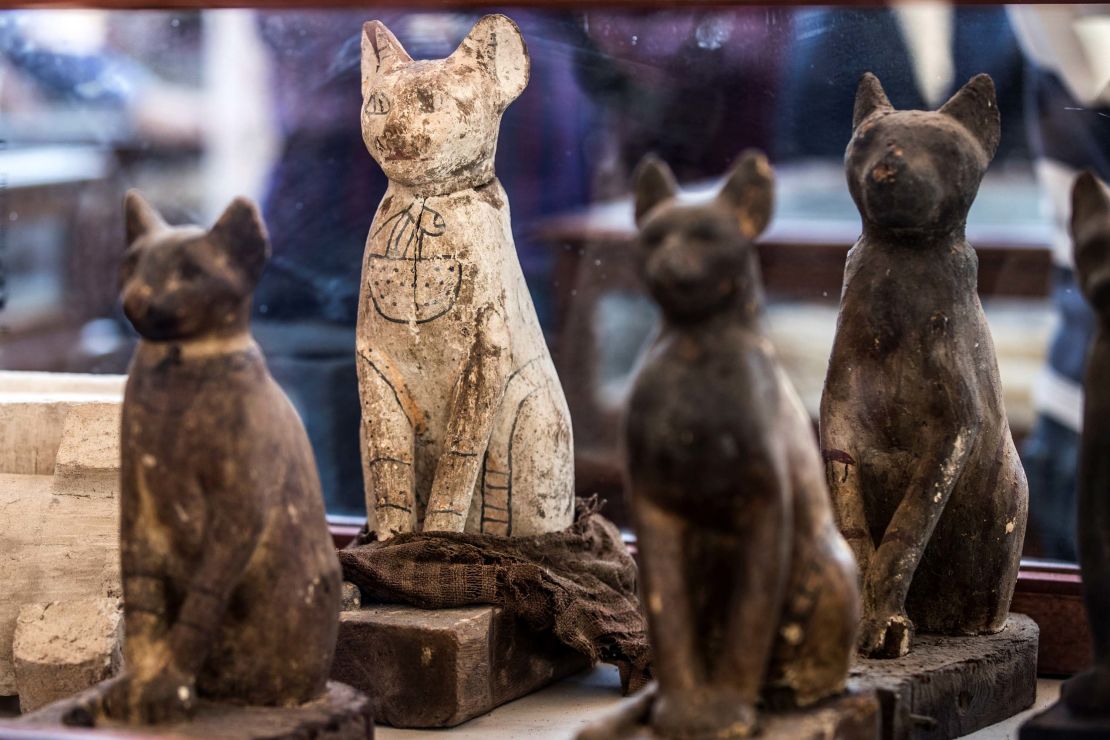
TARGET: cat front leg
(842,473)
(389,418)
(887,631)
(161,684)
(841,433)
(759,550)
(475,401)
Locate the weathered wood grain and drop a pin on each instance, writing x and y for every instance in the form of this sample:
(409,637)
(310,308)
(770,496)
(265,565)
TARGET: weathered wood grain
(425,668)
(952,686)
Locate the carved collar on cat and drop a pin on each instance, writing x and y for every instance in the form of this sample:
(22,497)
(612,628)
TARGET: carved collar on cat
(198,348)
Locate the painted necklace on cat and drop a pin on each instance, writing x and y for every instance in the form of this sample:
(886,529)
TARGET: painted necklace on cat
(405,286)
(409,227)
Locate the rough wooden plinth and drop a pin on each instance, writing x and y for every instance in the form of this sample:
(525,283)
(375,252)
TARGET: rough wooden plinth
(951,686)
(340,714)
(1060,723)
(439,668)
(852,716)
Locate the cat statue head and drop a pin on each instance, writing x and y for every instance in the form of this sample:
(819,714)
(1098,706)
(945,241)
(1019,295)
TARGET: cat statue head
(699,259)
(912,170)
(182,282)
(432,124)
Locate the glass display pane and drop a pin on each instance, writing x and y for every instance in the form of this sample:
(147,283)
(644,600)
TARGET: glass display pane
(196,107)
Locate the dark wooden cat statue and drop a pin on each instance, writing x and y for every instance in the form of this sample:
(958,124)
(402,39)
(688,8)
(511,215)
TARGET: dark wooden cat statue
(749,588)
(230,578)
(927,485)
(1089,693)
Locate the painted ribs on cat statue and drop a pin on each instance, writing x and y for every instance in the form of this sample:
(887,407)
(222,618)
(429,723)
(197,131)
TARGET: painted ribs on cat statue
(925,479)
(464,423)
(750,589)
(230,578)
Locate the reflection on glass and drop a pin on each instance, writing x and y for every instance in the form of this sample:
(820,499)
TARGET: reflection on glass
(195,107)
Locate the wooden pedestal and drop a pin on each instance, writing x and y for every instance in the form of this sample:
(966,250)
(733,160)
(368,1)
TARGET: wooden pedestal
(853,716)
(952,686)
(1058,723)
(438,668)
(341,714)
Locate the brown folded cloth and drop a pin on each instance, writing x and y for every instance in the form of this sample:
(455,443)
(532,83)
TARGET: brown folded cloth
(579,584)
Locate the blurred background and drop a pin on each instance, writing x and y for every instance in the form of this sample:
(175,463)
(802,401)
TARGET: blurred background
(196,107)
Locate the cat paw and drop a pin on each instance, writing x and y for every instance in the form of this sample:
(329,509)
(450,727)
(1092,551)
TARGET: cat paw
(716,716)
(168,696)
(171,696)
(886,636)
(1088,693)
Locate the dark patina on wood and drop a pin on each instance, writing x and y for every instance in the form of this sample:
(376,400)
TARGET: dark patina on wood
(949,687)
(1084,709)
(925,478)
(230,580)
(750,589)
(442,667)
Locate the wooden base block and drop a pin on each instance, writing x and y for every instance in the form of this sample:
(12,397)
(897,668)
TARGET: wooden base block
(952,686)
(340,714)
(1059,723)
(853,716)
(438,668)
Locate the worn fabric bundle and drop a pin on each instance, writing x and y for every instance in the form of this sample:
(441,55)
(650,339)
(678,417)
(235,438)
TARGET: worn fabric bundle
(578,584)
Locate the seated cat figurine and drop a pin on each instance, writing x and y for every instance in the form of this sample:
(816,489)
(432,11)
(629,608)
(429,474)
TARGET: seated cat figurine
(464,423)
(1089,693)
(750,590)
(925,478)
(230,578)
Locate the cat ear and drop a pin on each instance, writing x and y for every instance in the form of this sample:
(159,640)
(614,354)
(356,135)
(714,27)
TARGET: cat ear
(1090,206)
(749,192)
(381,52)
(655,183)
(870,98)
(139,216)
(241,233)
(496,46)
(975,106)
